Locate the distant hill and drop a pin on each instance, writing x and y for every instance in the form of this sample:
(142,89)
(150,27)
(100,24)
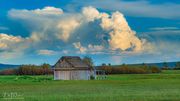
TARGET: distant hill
(160,65)
(170,64)
(7,66)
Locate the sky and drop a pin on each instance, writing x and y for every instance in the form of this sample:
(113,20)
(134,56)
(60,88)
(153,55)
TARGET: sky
(108,31)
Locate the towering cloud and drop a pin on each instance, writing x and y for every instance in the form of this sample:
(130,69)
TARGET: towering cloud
(121,35)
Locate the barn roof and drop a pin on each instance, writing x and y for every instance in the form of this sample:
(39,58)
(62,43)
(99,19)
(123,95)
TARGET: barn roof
(75,62)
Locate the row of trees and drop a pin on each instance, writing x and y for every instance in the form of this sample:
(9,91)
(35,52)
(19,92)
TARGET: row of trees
(43,69)
(130,69)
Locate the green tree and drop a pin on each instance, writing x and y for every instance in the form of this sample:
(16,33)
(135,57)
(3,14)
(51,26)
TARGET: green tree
(88,60)
(103,64)
(45,66)
(144,64)
(123,64)
(165,64)
(177,64)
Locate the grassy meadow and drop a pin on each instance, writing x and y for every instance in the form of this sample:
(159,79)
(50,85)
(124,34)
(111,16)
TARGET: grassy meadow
(125,87)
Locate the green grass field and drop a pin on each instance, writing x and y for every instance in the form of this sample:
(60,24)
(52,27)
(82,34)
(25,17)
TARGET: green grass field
(126,87)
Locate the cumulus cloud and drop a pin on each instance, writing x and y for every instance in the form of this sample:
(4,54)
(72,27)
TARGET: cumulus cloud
(121,35)
(6,41)
(88,31)
(95,47)
(78,45)
(66,27)
(90,13)
(90,49)
(12,46)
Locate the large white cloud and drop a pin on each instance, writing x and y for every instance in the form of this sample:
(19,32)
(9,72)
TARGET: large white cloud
(88,31)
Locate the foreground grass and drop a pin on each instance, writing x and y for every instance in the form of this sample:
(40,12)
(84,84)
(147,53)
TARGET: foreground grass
(125,87)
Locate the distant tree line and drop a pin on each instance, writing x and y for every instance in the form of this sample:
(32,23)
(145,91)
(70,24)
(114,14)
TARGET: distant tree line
(177,67)
(129,69)
(167,67)
(44,69)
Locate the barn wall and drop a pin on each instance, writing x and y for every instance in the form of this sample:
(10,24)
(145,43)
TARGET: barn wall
(72,75)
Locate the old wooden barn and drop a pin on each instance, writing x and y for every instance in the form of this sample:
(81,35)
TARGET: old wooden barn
(72,68)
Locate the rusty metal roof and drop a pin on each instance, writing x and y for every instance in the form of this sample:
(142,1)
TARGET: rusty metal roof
(74,61)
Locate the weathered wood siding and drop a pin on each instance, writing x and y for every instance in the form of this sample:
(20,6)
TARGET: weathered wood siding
(72,75)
